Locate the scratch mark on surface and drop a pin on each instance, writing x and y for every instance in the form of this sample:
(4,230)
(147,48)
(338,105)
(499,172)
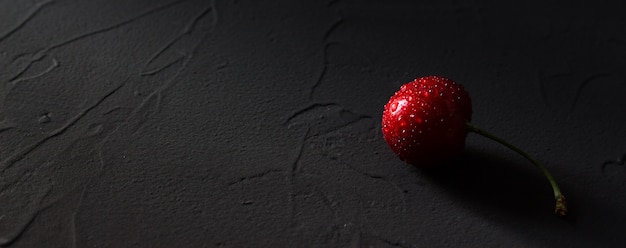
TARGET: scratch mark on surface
(392,242)
(14,81)
(215,13)
(620,162)
(332,2)
(326,62)
(112,110)
(20,228)
(100,156)
(384,240)
(345,125)
(189,28)
(5,128)
(38,6)
(255,176)
(294,166)
(162,68)
(35,58)
(322,73)
(328,105)
(327,202)
(156,95)
(570,100)
(382,178)
(73,218)
(134,126)
(334,226)
(542,87)
(580,88)
(543,83)
(327,44)
(116,25)
(42,53)
(5,125)
(309,108)
(8,162)
(290,178)
(332,29)
(356,239)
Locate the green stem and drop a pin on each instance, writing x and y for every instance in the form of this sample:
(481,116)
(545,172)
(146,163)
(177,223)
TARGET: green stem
(561,204)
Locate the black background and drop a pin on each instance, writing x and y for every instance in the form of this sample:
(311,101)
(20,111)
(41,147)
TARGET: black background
(255,124)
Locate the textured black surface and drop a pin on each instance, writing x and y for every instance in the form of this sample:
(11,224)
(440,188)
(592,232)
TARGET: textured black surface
(256,124)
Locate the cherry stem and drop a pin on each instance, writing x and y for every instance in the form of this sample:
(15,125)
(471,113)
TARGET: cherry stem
(561,204)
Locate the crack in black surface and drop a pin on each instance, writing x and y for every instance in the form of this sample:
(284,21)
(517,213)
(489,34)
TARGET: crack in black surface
(573,100)
(393,242)
(21,227)
(582,86)
(314,106)
(345,125)
(8,162)
(5,126)
(322,73)
(28,17)
(187,31)
(16,79)
(290,177)
(325,63)
(620,162)
(255,176)
(114,26)
(34,57)
(309,108)
(185,58)
(74,240)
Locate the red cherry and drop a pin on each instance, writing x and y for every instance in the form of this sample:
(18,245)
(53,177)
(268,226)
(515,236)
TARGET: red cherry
(427,121)
(424,122)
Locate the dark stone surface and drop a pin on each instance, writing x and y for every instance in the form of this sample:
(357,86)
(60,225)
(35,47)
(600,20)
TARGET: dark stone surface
(256,124)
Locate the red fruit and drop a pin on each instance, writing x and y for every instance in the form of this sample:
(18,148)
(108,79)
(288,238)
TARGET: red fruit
(424,123)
